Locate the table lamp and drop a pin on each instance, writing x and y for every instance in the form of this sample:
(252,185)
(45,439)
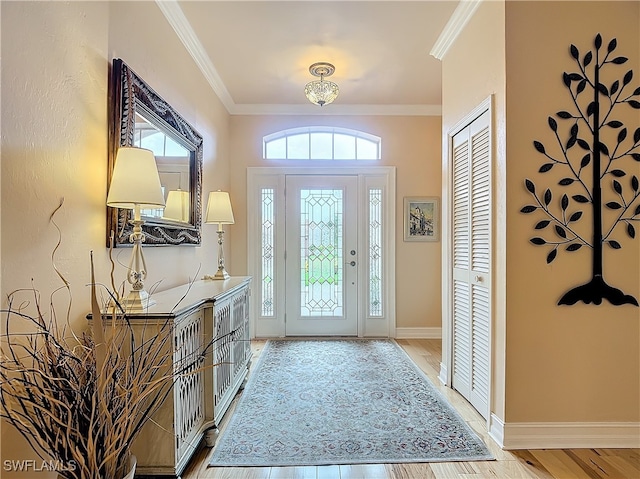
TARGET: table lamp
(135,184)
(177,206)
(219,211)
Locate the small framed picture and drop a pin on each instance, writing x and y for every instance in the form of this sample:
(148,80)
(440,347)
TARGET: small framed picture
(421,215)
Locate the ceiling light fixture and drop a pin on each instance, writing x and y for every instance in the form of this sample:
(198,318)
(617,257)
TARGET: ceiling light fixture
(321,92)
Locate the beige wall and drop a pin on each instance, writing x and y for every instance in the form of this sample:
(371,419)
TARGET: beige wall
(584,357)
(473,70)
(412,145)
(152,49)
(55,63)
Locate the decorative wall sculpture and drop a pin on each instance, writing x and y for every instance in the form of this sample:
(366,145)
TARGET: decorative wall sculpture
(599,163)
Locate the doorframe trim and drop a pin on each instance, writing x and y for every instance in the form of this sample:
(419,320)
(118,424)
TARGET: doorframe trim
(275,327)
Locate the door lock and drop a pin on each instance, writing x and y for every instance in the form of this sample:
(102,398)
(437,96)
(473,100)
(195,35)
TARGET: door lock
(352,263)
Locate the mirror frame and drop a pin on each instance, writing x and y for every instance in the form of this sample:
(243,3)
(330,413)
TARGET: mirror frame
(129,94)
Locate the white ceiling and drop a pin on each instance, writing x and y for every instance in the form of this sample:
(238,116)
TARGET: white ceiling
(256,54)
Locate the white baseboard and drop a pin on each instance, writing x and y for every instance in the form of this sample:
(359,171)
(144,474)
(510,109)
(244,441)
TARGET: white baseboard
(571,435)
(496,430)
(418,333)
(444,374)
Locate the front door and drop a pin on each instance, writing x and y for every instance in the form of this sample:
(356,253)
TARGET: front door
(321,251)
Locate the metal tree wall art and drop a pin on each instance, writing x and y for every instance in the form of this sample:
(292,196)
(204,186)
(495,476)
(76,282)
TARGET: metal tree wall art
(592,155)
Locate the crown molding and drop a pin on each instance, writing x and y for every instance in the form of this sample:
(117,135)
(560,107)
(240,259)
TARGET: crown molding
(459,19)
(178,21)
(176,18)
(337,109)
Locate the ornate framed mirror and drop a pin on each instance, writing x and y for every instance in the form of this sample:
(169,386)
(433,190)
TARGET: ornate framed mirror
(140,117)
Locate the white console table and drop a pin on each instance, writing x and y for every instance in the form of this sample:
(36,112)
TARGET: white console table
(211,315)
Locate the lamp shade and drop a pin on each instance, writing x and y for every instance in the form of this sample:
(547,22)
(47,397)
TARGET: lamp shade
(177,206)
(135,180)
(219,208)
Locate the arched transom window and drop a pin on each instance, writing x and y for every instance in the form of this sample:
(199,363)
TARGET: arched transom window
(321,143)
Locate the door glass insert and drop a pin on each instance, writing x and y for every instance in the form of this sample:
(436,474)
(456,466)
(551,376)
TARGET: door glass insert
(267,252)
(375,252)
(321,259)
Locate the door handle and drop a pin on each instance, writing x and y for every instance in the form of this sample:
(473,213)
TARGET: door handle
(351,263)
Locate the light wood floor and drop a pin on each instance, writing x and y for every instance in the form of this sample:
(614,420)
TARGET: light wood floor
(527,464)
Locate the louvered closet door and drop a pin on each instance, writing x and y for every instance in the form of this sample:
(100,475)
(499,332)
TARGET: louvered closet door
(471,263)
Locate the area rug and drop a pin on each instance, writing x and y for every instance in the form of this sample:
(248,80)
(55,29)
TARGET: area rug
(320,402)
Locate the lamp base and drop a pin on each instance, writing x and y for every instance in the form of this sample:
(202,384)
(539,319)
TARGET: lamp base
(220,274)
(137,301)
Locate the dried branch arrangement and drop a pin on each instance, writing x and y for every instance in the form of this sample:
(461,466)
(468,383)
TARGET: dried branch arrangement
(82,400)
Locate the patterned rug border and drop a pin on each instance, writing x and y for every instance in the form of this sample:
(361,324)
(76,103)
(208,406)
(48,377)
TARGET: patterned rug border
(273,462)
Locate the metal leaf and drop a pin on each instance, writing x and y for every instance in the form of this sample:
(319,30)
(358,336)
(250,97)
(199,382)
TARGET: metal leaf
(598,41)
(627,77)
(604,148)
(612,205)
(634,183)
(546,167)
(564,114)
(574,51)
(552,255)
(542,224)
(617,173)
(631,230)
(587,59)
(564,202)
(586,159)
(574,247)
(547,197)
(566,181)
(528,209)
(560,231)
(553,124)
(529,185)
(612,45)
(622,135)
(538,241)
(581,86)
(637,211)
(636,135)
(619,60)
(583,144)
(580,198)
(614,124)
(614,86)
(575,216)
(634,104)
(571,142)
(574,130)
(603,89)
(617,187)
(591,108)
(614,244)
(635,156)
(538,146)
